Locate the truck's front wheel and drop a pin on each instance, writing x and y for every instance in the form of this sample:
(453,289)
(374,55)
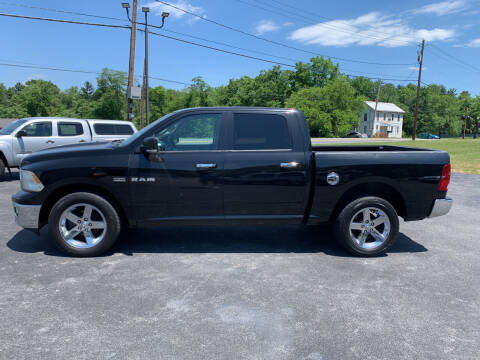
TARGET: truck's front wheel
(367,226)
(84,224)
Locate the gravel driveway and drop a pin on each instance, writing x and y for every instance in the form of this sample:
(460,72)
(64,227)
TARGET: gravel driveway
(246,293)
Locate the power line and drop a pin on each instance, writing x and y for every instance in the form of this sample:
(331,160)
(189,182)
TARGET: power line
(275,42)
(306,20)
(330,19)
(155,26)
(61,11)
(169,37)
(39,67)
(471,67)
(220,50)
(247,56)
(65,21)
(151,25)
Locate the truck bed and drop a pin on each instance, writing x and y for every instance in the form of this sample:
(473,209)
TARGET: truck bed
(411,174)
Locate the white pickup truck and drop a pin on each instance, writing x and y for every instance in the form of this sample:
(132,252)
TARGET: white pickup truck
(25,136)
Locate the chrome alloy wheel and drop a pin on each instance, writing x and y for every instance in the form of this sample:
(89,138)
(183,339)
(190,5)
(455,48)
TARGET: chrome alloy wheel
(82,226)
(369,228)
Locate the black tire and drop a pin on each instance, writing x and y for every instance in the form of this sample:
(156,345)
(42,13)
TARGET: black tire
(2,168)
(351,210)
(112,220)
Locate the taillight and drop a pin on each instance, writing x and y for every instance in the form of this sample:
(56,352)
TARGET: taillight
(445,179)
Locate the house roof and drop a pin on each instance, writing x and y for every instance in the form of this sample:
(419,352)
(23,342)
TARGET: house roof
(382,106)
(5,122)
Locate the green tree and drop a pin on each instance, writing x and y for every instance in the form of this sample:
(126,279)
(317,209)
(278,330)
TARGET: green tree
(38,97)
(110,95)
(317,73)
(332,110)
(365,87)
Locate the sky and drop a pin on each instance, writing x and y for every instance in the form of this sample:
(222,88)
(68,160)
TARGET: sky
(356,33)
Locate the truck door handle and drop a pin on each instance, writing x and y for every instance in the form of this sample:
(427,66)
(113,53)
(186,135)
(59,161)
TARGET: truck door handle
(289,165)
(50,142)
(206,166)
(83,141)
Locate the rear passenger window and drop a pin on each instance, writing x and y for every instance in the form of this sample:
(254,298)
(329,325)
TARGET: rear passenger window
(70,129)
(104,129)
(123,129)
(260,132)
(112,129)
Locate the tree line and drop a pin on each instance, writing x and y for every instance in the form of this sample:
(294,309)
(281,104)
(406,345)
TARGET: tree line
(332,102)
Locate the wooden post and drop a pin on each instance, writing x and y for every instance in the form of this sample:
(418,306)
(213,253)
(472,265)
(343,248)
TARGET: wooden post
(420,61)
(131,65)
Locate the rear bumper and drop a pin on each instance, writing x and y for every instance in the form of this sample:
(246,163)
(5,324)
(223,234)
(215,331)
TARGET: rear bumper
(27,216)
(441,207)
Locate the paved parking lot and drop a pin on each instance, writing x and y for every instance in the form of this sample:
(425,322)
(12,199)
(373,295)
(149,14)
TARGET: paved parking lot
(246,293)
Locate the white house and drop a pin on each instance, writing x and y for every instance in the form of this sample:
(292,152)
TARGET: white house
(388,122)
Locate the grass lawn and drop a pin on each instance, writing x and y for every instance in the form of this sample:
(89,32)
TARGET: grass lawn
(464,154)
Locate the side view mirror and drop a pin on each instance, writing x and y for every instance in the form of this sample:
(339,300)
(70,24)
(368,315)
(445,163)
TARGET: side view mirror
(21,133)
(150,145)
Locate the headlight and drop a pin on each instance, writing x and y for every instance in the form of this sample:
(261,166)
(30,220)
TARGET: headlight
(29,181)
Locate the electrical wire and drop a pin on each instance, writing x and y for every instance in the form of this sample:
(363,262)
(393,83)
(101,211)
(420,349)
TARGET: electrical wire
(40,67)
(65,21)
(275,42)
(168,37)
(243,55)
(304,19)
(173,32)
(61,11)
(454,58)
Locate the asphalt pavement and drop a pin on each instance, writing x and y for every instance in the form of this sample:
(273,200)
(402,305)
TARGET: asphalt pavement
(285,292)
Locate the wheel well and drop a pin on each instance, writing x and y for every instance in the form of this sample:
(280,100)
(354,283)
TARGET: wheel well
(74,188)
(4,159)
(377,189)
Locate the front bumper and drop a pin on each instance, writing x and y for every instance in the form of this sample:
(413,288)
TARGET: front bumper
(441,207)
(27,216)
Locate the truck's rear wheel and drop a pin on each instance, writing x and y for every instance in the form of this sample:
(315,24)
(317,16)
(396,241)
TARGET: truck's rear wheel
(367,226)
(2,168)
(84,224)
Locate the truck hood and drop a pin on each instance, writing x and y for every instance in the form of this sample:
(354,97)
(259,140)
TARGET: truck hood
(69,151)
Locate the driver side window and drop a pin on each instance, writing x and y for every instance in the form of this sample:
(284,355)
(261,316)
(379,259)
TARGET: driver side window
(38,129)
(191,133)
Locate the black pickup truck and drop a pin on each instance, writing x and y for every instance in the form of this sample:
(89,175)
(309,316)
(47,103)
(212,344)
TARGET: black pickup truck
(228,166)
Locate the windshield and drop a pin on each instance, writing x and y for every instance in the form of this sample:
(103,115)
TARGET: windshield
(142,132)
(7,130)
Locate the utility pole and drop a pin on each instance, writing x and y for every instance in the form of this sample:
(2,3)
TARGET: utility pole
(146,87)
(420,62)
(142,107)
(145,69)
(465,122)
(376,104)
(475,134)
(131,66)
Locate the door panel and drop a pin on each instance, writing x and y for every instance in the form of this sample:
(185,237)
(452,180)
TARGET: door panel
(257,184)
(175,187)
(265,175)
(186,180)
(39,136)
(71,132)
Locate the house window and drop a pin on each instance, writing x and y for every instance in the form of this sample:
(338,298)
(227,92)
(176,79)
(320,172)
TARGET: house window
(365,117)
(365,129)
(376,127)
(384,116)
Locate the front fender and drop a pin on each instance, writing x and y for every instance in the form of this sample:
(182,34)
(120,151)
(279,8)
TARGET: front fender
(6,152)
